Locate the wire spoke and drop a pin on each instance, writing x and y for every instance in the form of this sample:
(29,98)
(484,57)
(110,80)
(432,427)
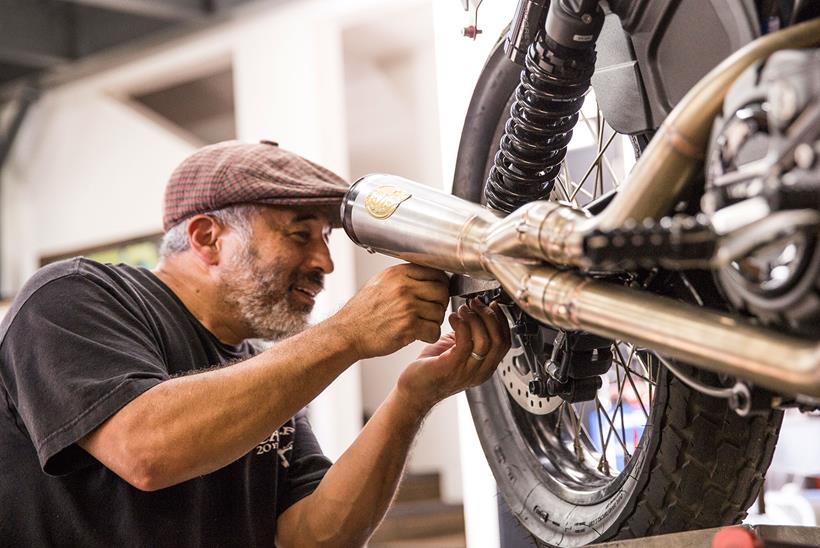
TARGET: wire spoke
(591,168)
(691,288)
(563,177)
(643,378)
(614,430)
(621,356)
(580,187)
(605,442)
(600,424)
(560,418)
(576,439)
(580,424)
(646,378)
(619,405)
(580,427)
(617,180)
(562,189)
(599,175)
(568,181)
(622,383)
(627,374)
(637,393)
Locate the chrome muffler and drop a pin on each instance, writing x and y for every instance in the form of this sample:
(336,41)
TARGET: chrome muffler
(446,232)
(413,222)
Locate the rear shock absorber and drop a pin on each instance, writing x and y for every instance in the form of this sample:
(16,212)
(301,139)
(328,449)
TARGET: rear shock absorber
(556,76)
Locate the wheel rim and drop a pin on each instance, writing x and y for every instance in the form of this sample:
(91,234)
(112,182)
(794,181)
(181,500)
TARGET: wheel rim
(588,449)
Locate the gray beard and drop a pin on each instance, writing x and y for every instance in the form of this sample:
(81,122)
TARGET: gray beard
(260,295)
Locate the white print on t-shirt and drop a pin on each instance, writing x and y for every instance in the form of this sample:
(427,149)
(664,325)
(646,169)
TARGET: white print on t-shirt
(281,441)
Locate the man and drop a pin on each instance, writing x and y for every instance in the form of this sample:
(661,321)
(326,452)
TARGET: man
(134,411)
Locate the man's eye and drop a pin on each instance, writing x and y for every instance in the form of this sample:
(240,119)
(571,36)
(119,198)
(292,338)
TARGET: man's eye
(303,237)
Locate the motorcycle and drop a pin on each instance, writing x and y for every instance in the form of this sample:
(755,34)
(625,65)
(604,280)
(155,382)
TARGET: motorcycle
(663,315)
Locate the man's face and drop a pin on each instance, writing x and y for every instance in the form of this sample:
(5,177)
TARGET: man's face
(271,279)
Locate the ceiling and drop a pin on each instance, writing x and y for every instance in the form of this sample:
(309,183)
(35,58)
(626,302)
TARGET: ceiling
(37,36)
(44,41)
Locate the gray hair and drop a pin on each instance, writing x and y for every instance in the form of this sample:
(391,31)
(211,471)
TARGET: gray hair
(237,217)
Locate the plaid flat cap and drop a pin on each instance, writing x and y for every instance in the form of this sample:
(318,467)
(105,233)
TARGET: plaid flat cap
(232,173)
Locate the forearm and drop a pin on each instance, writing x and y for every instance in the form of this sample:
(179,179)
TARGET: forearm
(356,492)
(193,425)
(354,495)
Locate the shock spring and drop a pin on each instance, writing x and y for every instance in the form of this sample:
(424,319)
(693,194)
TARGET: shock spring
(547,101)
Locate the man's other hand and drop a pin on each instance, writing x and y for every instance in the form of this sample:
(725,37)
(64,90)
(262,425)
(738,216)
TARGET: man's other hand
(464,358)
(402,304)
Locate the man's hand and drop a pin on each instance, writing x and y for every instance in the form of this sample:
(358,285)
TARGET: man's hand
(454,362)
(402,304)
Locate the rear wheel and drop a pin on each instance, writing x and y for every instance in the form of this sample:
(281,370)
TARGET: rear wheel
(648,455)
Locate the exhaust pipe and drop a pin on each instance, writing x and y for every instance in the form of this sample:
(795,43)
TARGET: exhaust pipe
(714,341)
(416,223)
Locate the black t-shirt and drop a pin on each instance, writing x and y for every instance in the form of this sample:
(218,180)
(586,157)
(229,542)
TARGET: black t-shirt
(82,340)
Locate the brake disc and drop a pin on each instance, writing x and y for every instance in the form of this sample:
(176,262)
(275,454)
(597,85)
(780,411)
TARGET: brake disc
(515,375)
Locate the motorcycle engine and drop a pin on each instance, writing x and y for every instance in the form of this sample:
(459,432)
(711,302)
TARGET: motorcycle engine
(763,190)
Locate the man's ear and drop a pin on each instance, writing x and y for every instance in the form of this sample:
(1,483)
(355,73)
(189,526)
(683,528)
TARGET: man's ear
(204,234)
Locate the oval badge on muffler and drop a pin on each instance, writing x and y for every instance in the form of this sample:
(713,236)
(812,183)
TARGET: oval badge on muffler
(383,201)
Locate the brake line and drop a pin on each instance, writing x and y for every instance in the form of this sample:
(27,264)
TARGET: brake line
(724,393)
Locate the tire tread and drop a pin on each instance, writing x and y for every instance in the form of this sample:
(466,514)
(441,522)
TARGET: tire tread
(704,484)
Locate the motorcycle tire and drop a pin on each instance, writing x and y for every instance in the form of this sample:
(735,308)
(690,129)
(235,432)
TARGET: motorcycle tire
(698,464)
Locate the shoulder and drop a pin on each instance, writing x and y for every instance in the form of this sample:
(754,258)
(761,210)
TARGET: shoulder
(57,284)
(52,272)
(75,272)
(69,271)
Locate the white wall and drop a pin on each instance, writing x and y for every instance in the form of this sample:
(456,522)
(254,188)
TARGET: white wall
(89,168)
(459,61)
(68,187)
(390,77)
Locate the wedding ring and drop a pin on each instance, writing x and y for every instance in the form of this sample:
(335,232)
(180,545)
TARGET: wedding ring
(478,357)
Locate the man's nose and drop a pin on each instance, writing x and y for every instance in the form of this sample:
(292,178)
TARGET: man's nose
(320,257)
